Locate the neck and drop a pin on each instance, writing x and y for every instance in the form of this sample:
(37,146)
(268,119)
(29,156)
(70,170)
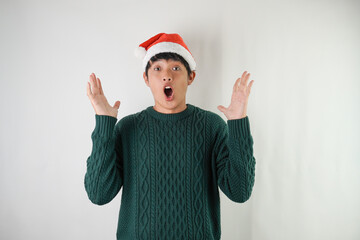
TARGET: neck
(171,117)
(176,109)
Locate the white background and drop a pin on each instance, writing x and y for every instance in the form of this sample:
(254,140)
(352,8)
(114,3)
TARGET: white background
(303,108)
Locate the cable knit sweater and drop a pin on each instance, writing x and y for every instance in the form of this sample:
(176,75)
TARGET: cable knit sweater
(170,167)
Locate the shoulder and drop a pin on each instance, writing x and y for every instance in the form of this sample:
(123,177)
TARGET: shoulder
(125,123)
(129,121)
(216,119)
(212,117)
(213,120)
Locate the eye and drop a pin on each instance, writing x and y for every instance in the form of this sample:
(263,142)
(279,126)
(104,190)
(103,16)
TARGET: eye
(176,68)
(156,68)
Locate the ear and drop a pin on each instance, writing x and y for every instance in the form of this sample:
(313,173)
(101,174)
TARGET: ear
(146,79)
(191,78)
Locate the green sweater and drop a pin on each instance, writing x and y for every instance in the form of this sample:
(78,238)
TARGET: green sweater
(170,167)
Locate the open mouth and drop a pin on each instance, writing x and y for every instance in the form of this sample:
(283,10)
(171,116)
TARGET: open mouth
(168,91)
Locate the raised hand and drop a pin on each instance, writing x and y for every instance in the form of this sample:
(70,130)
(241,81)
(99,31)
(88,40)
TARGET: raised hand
(98,99)
(239,99)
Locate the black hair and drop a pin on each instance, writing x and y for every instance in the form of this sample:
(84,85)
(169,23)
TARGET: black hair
(167,56)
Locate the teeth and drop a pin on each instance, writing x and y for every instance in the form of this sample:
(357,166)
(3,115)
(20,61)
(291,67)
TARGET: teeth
(167,87)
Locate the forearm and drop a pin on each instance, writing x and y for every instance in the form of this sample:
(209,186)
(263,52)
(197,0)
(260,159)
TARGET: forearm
(103,177)
(238,175)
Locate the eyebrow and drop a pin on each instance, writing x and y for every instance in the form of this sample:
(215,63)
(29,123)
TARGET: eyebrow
(157,63)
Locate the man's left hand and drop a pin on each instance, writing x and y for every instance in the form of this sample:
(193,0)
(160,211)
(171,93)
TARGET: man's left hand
(239,99)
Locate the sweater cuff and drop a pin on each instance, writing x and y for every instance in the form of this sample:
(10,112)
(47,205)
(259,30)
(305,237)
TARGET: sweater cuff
(104,125)
(239,127)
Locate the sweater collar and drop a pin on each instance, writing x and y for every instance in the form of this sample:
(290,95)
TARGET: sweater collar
(170,116)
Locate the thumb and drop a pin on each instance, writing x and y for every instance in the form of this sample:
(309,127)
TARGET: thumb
(222,108)
(117,104)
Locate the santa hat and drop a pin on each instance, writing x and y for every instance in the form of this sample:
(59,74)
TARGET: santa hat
(164,42)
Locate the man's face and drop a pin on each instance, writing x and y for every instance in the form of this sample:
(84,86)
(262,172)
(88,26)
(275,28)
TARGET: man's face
(168,81)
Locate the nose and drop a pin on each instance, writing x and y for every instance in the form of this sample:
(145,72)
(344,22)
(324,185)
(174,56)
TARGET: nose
(167,76)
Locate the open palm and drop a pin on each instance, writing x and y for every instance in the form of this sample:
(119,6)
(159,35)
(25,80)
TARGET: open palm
(239,99)
(98,99)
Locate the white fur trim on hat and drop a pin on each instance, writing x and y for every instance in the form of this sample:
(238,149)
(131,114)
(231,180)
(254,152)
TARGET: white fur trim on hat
(169,47)
(140,52)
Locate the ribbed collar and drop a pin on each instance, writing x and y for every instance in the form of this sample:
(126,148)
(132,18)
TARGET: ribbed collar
(171,116)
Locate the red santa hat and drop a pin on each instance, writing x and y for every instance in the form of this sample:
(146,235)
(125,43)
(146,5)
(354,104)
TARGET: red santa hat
(164,42)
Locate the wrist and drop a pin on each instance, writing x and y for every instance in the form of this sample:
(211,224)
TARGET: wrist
(234,117)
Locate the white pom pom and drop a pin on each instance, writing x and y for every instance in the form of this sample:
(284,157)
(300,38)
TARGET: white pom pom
(140,52)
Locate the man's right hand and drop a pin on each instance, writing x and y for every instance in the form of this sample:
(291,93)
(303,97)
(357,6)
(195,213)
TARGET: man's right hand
(98,99)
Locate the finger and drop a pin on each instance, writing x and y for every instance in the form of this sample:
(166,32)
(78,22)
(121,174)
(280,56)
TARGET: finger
(243,76)
(249,88)
(238,81)
(236,85)
(244,81)
(222,108)
(117,104)
(88,90)
(244,73)
(243,84)
(93,80)
(100,87)
(95,85)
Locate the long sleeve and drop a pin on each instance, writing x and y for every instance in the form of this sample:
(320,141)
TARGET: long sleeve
(235,163)
(103,178)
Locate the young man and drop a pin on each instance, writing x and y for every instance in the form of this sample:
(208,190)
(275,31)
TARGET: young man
(170,158)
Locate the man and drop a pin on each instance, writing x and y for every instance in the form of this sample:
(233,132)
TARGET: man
(172,157)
